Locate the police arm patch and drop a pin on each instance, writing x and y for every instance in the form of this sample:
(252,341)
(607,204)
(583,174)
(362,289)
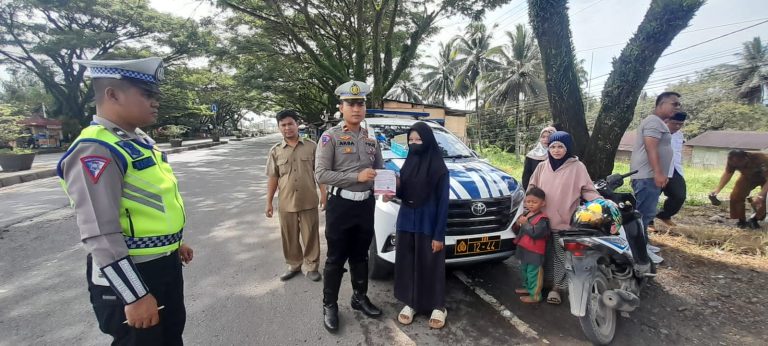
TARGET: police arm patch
(94,166)
(325,139)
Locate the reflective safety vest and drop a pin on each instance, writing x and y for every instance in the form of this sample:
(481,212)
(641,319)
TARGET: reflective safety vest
(151,209)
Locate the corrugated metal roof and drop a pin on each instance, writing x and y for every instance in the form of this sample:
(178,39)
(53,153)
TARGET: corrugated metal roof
(749,140)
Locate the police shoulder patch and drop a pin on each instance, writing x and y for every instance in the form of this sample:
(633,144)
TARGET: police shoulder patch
(325,139)
(94,166)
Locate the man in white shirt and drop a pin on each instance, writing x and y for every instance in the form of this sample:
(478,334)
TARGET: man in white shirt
(675,189)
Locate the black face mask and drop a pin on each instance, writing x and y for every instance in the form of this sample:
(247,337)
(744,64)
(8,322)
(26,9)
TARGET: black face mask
(416,148)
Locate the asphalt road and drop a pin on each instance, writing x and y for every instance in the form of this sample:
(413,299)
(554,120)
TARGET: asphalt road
(233,294)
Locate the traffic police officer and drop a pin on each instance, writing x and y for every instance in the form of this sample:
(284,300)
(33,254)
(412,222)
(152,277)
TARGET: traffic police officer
(346,162)
(129,210)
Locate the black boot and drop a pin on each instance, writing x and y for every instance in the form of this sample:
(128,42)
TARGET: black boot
(752,223)
(331,284)
(360,301)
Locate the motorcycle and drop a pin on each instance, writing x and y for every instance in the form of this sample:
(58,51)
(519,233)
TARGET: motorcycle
(601,266)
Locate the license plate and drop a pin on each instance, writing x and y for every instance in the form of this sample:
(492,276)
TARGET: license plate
(477,245)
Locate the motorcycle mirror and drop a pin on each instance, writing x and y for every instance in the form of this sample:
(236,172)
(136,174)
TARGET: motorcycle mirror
(614,178)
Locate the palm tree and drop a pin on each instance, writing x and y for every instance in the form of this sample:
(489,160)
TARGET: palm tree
(439,79)
(753,71)
(472,59)
(519,73)
(405,90)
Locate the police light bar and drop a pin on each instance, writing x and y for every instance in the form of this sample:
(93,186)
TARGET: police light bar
(383,112)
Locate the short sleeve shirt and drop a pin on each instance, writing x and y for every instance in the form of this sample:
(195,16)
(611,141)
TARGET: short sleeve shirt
(343,154)
(652,126)
(294,168)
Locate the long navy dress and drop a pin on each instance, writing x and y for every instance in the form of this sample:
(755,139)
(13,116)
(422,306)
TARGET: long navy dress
(419,273)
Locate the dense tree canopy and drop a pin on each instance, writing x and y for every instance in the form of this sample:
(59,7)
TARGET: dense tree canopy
(44,37)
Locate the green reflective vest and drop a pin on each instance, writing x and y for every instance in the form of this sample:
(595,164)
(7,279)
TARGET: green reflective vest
(151,209)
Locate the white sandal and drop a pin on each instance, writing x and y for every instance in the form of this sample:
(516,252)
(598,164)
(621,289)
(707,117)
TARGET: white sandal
(437,320)
(406,315)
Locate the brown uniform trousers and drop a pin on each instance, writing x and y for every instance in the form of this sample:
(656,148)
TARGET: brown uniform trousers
(307,223)
(753,175)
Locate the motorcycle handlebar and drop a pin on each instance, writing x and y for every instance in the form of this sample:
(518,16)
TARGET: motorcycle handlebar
(628,174)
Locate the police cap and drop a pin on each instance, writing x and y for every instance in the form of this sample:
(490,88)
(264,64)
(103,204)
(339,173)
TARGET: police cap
(353,90)
(146,73)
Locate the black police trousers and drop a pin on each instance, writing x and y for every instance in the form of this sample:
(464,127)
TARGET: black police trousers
(675,192)
(348,232)
(164,279)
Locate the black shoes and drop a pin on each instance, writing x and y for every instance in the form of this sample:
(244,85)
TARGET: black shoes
(331,317)
(751,223)
(362,303)
(289,274)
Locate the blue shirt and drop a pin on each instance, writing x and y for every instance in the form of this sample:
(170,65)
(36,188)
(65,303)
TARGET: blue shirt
(431,218)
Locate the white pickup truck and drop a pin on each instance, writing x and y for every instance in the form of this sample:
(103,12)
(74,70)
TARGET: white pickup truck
(484,200)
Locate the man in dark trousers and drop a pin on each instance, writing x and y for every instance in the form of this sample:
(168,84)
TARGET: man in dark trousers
(753,167)
(675,190)
(347,159)
(129,210)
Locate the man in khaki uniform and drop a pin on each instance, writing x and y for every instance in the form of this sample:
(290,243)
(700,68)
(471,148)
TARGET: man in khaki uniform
(753,167)
(347,160)
(291,168)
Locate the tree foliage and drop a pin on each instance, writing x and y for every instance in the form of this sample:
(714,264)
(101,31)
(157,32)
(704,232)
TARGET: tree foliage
(332,41)
(46,36)
(549,19)
(753,70)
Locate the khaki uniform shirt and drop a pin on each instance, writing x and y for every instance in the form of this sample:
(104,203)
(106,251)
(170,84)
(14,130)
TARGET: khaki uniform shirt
(97,204)
(342,154)
(755,169)
(295,169)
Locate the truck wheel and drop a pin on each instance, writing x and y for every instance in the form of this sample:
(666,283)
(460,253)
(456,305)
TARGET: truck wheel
(378,269)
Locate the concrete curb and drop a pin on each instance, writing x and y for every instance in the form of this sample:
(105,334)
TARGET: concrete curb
(45,172)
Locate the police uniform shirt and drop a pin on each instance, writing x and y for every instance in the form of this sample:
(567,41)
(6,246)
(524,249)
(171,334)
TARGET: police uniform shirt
(342,154)
(294,168)
(97,200)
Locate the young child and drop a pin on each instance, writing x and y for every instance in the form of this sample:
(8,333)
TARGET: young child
(532,230)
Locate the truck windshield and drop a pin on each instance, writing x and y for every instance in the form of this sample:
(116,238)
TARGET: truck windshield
(397,136)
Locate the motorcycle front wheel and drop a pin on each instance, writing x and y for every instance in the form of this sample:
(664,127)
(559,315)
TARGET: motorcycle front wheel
(599,322)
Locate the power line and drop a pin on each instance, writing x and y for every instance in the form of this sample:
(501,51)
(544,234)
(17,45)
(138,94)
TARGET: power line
(682,61)
(584,8)
(714,38)
(681,33)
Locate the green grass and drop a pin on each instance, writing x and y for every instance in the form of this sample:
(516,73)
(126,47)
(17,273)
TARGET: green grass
(699,181)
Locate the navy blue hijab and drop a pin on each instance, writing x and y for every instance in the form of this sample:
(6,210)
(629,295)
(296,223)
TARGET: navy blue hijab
(565,138)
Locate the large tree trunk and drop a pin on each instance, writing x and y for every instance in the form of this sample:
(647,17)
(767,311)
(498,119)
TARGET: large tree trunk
(663,21)
(549,20)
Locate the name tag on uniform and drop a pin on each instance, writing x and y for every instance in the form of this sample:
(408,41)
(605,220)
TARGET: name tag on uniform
(144,163)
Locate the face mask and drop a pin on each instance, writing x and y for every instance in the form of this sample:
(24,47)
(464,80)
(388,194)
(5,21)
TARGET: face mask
(416,148)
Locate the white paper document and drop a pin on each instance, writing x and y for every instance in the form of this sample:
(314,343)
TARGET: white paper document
(385,182)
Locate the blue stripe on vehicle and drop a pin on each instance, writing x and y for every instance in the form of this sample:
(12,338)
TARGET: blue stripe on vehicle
(460,176)
(492,192)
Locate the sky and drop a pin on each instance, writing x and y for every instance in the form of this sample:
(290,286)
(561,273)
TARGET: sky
(600,29)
